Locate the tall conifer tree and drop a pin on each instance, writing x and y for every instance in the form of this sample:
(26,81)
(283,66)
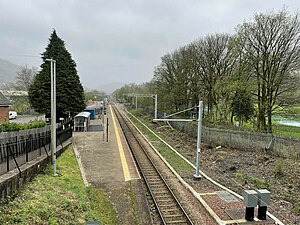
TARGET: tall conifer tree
(69,91)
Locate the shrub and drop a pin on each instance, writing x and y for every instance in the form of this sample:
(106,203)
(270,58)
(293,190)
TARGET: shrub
(8,127)
(278,169)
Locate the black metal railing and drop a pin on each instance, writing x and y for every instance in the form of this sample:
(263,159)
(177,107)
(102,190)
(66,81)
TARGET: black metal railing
(19,147)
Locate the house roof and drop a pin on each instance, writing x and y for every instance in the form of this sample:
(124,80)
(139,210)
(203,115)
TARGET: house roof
(3,100)
(14,93)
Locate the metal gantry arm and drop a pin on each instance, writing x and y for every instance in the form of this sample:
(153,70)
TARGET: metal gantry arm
(179,112)
(154,96)
(199,134)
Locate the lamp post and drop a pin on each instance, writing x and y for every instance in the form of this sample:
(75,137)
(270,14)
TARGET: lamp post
(53,113)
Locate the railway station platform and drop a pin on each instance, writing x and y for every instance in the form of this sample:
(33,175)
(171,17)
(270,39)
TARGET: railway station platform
(106,162)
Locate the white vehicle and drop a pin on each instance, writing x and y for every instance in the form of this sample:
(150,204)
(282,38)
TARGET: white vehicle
(12,115)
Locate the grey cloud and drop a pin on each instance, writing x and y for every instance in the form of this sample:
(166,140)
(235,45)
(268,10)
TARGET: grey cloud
(118,40)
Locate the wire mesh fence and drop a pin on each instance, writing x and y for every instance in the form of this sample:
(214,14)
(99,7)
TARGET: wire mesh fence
(274,144)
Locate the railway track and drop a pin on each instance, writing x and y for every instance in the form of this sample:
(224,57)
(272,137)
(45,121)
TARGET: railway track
(167,205)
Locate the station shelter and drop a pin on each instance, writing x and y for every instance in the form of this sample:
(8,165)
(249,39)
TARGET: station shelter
(82,121)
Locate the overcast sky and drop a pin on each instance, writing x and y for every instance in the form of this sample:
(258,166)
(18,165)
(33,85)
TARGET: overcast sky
(118,40)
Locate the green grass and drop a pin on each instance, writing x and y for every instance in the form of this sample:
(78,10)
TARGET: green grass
(286,130)
(296,208)
(257,182)
(173,159)
(58,200)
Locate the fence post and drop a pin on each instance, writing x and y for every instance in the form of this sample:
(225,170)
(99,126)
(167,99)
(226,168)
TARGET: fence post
(7,158)
(40,149)
(49,143)
(16,144)
(1,152)
(228,138)
(249,139)
(26,149)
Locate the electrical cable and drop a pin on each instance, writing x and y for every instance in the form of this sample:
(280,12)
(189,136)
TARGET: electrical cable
(21,55)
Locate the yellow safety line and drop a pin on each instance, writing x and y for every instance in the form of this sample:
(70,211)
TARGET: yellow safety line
(121,150)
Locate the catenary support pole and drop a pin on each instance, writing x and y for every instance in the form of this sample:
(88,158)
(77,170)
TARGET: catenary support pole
(197,175)
(155,106)
(136,101)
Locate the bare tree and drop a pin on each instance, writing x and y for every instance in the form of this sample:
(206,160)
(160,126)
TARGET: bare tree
(214,61)
(25,77)
(7,86)
(270,45)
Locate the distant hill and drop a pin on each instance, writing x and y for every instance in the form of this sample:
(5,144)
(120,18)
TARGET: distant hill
(8,71)
(110,88)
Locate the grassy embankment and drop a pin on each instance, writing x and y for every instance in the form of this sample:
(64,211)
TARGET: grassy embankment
(173,159)
(58,200)
(293,114)
(286,130)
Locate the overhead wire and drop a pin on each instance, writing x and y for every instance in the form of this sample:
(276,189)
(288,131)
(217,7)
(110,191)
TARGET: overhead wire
(21,55)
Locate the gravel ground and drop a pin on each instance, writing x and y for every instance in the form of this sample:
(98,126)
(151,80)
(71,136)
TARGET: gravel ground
(193,207)
(239,170)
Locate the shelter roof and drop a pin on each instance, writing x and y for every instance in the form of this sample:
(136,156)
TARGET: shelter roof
(83,114)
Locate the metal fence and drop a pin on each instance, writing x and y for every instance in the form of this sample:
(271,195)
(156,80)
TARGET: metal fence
(17,148)
(275,144)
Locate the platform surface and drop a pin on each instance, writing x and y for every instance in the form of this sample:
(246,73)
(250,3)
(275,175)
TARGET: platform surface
(105,162)
(109,164)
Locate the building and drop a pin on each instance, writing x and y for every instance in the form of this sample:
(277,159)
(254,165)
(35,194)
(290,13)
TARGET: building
(4,108)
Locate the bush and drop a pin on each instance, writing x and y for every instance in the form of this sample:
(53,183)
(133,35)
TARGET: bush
(278,169)
(8,127)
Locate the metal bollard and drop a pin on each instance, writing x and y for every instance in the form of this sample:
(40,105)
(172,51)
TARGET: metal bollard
(263,202)
(250,201)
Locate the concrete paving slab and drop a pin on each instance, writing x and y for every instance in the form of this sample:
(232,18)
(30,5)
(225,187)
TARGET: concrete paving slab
(109,165)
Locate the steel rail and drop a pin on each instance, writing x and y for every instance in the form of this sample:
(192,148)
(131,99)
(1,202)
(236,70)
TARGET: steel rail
(168,206)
